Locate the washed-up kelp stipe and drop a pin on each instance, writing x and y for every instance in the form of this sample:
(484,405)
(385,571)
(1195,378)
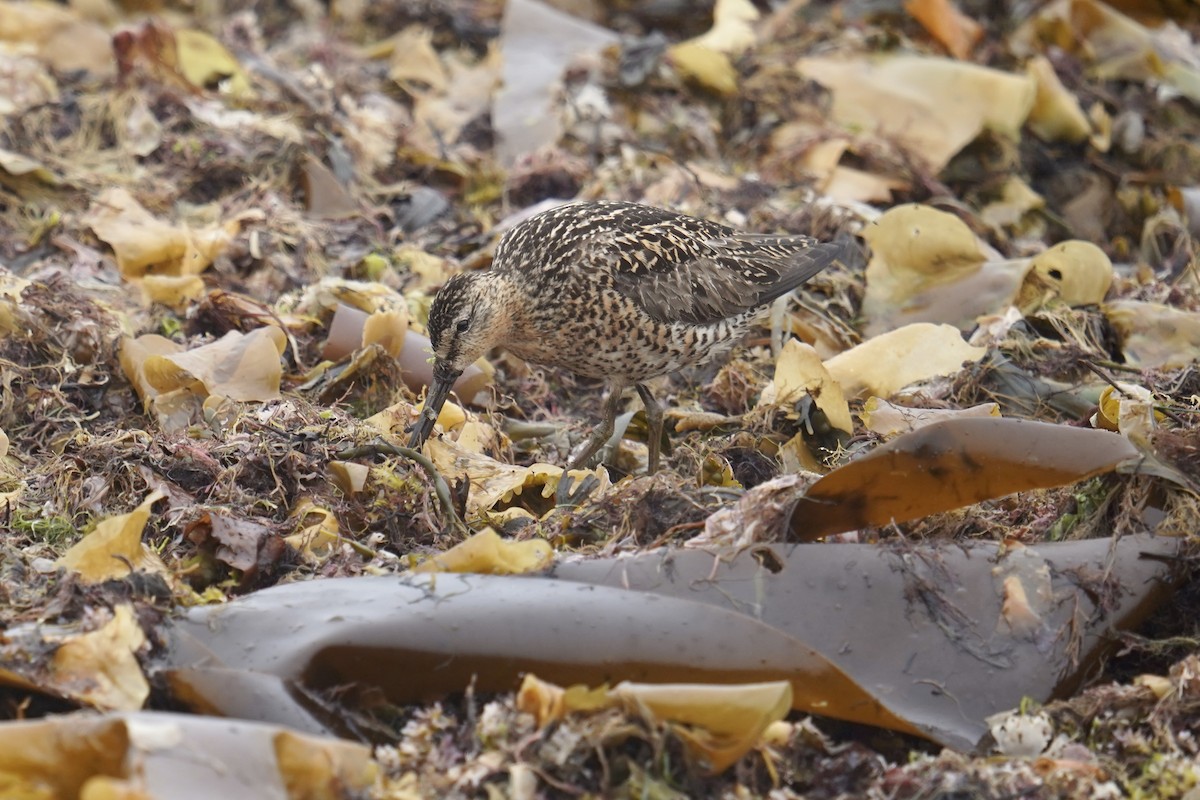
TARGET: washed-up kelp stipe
(968,632)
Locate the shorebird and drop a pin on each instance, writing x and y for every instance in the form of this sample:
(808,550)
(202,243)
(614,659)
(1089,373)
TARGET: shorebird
(613,290)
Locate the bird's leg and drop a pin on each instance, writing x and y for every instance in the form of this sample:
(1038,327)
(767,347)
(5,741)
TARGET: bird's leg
(654,420)
(603,431)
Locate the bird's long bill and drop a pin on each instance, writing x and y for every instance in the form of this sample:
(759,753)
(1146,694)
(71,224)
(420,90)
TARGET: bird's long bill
(443,382)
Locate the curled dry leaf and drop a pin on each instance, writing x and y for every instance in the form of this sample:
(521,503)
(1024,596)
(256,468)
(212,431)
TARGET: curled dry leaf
(1128,410)
(99,667)
(114,548)
(175,291)
(396,418)
(145,244)
(1154,335)
(353,329)
(952,464)
(706,58)
(888,419)
(61,38)
(1115,45)
(718,724)
(957,32)
(710,69)
(932,107)
(927,266)
(924,241)
(494,482)
(485,553)
(799,372)
(175,757)
(208,65)
(19,166)
(244,367)
(348,476)
(733,27)
(1056,115)
(885,364)
(1017,199)
(13,318)
(1075,272)
(318,535)
(414,64)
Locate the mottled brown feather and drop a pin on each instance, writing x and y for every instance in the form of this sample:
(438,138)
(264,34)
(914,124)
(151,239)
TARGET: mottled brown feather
(674,267)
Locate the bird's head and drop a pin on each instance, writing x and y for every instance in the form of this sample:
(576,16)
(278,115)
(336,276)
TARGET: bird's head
(462,328)
(461,321)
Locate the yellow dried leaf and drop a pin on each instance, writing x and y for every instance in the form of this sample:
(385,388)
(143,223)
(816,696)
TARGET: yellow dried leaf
(100,668)
(1056,115)
(143,243)
(1160,685)
(1116,46)
(175,291)
(1127,409)
(798,372)
(415,64)
(733,27)
(349,476)
(388,329)
(931,107)
(888,419)
(722,723)
(208,65)
(240,366)
(548,702)
(717,723)
(1016,613)
(439,116)
(19,165)
(1016,200)
(430,270)
(710,69)
(887,363)
(854,185)
(927,266)
(114,547)
(1077,273)
(486,553)
(317,536)
(1154,335)
(919,240)
(495,482)
(321,766)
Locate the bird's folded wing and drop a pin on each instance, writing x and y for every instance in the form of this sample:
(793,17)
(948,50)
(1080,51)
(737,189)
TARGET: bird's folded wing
(735,274)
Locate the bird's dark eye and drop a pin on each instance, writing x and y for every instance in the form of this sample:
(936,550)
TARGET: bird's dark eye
(462,325)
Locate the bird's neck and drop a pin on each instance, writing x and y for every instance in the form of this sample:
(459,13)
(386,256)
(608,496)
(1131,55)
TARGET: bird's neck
(509,320)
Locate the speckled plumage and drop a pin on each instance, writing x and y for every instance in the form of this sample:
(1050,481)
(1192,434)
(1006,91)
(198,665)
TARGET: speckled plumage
(619,291)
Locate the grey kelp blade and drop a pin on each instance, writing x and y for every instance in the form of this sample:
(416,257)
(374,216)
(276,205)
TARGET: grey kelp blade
(739,273)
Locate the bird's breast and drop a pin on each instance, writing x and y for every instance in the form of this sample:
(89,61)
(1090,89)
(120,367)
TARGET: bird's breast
(610,339)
